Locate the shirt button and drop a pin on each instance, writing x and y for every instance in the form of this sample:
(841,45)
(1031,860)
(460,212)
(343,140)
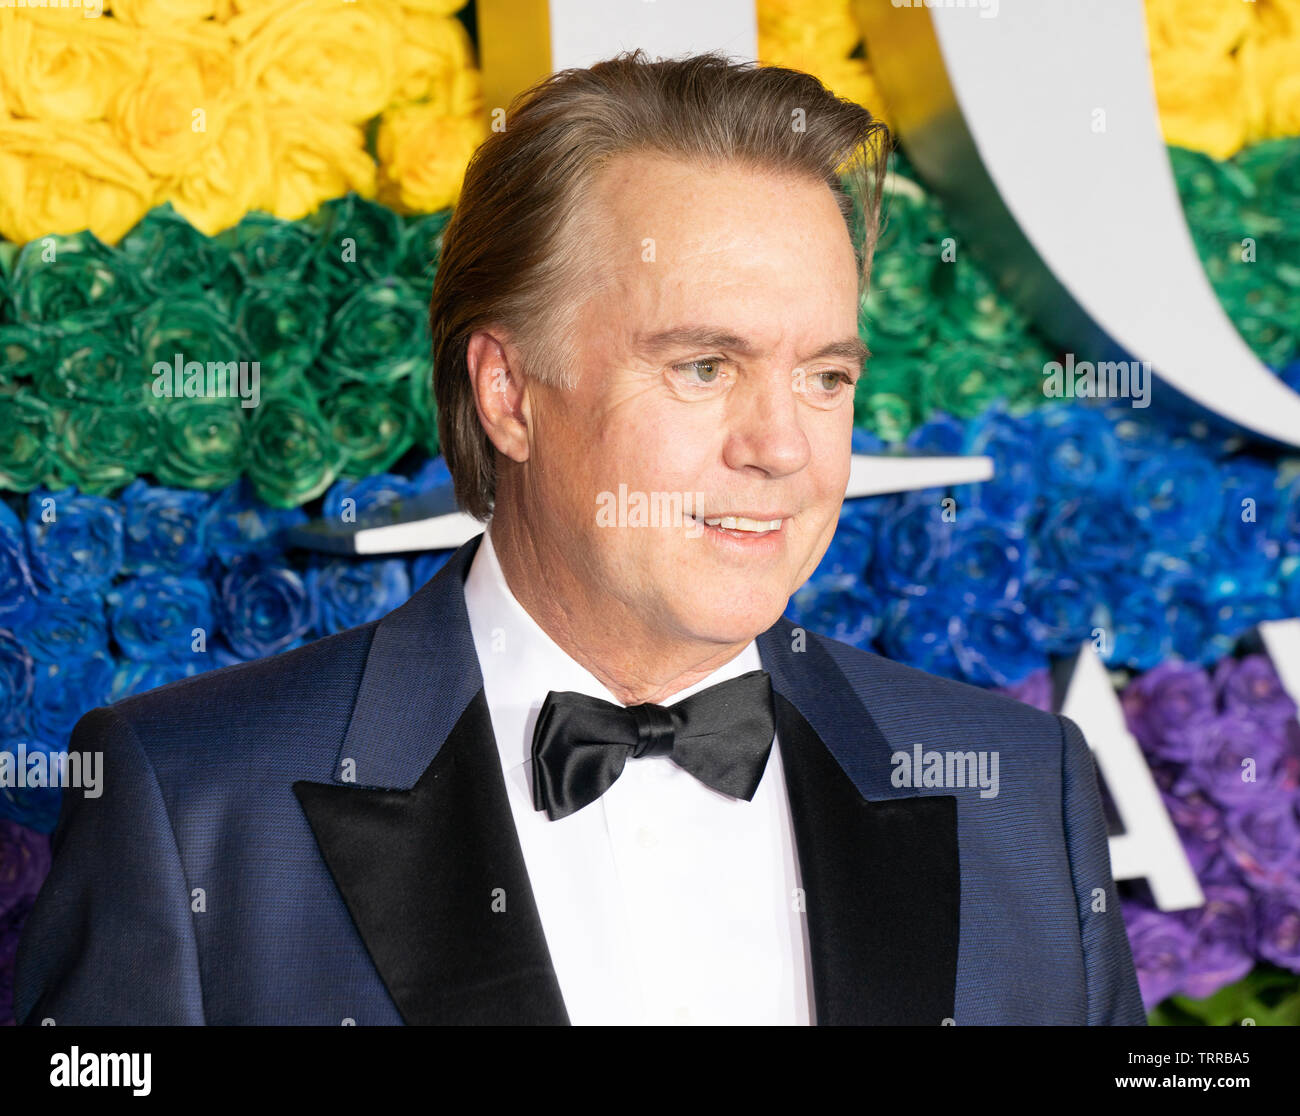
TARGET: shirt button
(646,838)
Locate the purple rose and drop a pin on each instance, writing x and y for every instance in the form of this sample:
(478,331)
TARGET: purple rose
(1161,945)
(1165,703)
(1201,827)
(1225,932)
(1238,760)
(24,863)
(1265,843)
(1034,689)
(1250,686)
(1279,929)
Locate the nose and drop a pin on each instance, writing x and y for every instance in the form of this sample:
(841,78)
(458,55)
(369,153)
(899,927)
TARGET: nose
(765,426)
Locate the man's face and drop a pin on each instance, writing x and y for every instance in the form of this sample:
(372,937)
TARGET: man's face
(703,377)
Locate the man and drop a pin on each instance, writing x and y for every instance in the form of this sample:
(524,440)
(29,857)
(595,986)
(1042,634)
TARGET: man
(588,773)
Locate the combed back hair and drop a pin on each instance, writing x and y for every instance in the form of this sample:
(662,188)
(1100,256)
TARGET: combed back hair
(522,249)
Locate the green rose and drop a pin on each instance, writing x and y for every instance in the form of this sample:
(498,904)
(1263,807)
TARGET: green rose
(201,443)
(292,455)
(94,366)
(374,425)
(26,434)
(103,448)
(72,282)
(357,242)
(380,335)
(170,256)
(284,325)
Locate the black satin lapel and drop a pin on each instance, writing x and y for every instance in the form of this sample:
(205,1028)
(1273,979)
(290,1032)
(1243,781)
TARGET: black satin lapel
(882,889)
(422,871)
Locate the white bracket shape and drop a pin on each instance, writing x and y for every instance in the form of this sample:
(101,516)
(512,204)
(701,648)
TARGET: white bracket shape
(1058,100)
(1149,847)
(1281,639)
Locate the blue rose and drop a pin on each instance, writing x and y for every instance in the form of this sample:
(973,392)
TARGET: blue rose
(66,625)
(1059,610)
(986,561)
(1010,494)
(911,541)
(1093,536)
(64,691)
(426,565)
(1185,610)
(940,436)
(1137,625)
(864,441)
(1177,497)
(1076,450)
(75,540)
(350,501)
(135,677)
(17,675)
(916,630)
(238,525)
(345,594)
(164,528)
(993,644)
(17,591)
(35,807)
(264,608)
(1249,526)
(432,474)
(846,559)
(154,614)
(851,614)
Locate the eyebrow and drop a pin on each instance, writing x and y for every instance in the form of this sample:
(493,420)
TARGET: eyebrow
(706,337)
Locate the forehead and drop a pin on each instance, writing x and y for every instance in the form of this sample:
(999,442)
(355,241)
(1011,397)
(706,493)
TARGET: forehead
(675,232)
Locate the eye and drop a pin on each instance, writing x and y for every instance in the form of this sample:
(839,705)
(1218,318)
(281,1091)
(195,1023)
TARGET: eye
(828,382)
(706,370)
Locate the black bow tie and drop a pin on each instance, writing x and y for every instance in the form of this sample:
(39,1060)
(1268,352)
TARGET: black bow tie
(721,735)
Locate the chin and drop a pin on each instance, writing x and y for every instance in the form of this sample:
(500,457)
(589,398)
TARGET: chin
(721,621)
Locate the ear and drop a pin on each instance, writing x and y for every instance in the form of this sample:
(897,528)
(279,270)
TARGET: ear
(499,395)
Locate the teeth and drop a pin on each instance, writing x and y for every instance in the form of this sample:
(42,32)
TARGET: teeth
(740,523)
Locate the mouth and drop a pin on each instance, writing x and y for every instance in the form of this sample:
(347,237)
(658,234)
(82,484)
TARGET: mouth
(743,527)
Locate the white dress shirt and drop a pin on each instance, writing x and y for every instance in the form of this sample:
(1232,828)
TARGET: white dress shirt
(664,901)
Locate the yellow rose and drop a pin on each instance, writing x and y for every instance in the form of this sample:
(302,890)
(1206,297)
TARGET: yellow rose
(1211,26)
(1272,68)
(1277,17)
(57,65)
(433,7)
(228,171)
(423,155)
(188,74)
(62,177)
(153,13)
(436,60)
(335,58)
(1202,101)
(823,26)
(314,158)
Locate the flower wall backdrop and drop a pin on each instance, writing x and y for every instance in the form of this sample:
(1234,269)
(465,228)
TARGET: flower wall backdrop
(299,227)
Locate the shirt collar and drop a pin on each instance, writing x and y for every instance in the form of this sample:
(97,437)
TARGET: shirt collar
(520,663)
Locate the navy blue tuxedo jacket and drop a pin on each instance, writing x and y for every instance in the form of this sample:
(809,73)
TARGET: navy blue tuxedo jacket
(317,837)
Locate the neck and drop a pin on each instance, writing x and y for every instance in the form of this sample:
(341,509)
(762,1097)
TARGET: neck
(634,663)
